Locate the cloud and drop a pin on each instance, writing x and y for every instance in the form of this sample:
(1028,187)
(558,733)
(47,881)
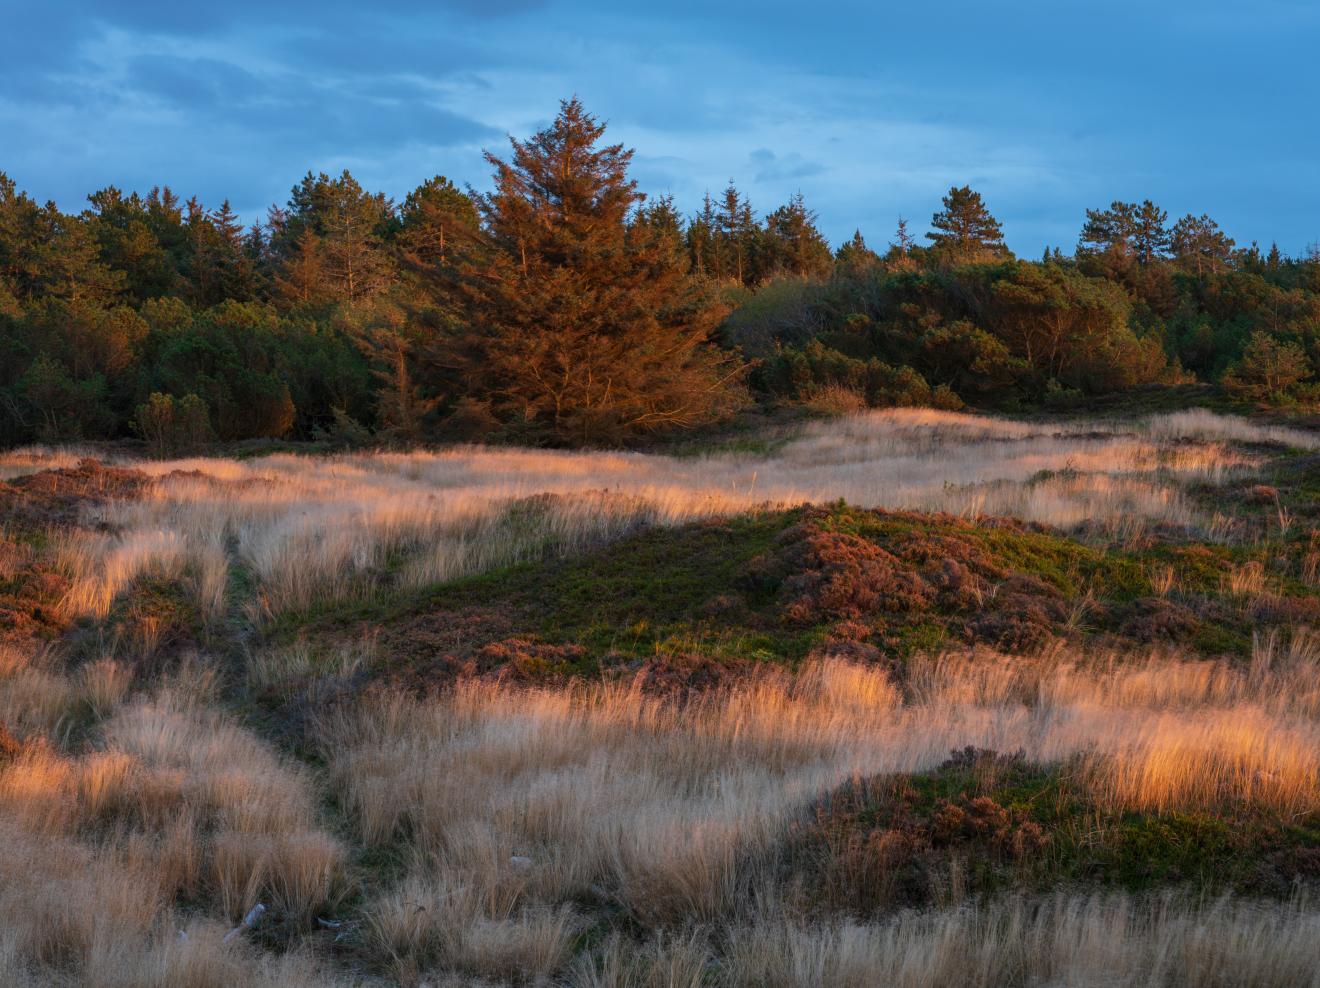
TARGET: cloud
(192,84)
(770,167)
(868,110)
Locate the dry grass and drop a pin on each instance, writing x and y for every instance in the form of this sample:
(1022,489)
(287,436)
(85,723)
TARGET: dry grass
(315,530)
(597,834)
(171,799)
(1106,941)
(675,811)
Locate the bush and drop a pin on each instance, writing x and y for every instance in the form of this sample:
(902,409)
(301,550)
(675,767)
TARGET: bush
(818,372)
(1270,370)
(169,427)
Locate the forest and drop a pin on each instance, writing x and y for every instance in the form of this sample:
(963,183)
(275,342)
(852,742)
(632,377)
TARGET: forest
(566,308)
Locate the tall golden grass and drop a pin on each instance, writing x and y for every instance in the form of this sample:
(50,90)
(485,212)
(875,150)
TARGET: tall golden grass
(597,834)
(518,802)
(170,800)
(314,530)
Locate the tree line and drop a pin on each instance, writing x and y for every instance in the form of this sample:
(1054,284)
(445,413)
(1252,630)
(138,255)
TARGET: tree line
(564,307)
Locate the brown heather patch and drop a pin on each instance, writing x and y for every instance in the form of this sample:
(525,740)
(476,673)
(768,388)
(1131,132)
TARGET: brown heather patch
(30,592)
(837,576)
(31,588)
(877,843)
(929,571)
(436,648)
(689,674)
(57,498)
(1152,619)
(525,660)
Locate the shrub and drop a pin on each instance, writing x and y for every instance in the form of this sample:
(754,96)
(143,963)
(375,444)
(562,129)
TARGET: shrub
(818,370)
(1270,370)
(169,427)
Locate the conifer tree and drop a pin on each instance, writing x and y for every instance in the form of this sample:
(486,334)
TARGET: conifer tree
(349,226)
(900,248)
(661,217)
(1199,244)
(965,232)
(793,244)
(700,239)
(1150,233)
(736,236)
(1108,230)
(855,256)
(436,216)
(579,325)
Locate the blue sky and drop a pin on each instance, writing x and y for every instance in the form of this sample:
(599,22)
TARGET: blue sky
(871,110)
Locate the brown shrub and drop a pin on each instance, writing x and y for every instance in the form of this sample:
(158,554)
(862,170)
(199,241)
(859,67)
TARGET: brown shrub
(1272,608)
(1261,494)
(29,593)
(525,660)
(56,498)
(1157,618)
(682,673)
(874,843)
(435,648)
(840,576)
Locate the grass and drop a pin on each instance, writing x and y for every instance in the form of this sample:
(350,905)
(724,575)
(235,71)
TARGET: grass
(522,717)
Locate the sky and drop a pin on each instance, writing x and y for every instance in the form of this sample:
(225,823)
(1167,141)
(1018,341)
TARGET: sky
(870,110)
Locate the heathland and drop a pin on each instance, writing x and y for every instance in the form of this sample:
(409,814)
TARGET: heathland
(905,697)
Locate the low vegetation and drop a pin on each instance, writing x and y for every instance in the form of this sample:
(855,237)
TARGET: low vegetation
(911,697)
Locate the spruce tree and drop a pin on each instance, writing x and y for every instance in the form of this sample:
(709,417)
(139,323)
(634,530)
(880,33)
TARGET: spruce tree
(855,256)
(900,248)
(348,226)
(700,239)
(793,244)
(576,324)
(736,238)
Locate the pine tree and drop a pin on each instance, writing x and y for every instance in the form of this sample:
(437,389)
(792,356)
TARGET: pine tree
(965,232)
(123,229)
(20,219)
(1200,245)
(583,325)
(1109,230)
(1150,233)
(436,216)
